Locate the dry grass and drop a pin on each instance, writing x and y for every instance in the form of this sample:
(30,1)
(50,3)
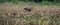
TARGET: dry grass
(43,15)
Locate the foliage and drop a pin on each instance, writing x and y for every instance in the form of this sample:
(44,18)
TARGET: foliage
(2,1)
(32,2)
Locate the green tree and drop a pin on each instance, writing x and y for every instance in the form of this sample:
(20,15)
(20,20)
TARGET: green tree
(2,1)
(57,1)
(14,1)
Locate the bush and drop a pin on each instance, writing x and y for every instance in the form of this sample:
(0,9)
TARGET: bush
(47,3)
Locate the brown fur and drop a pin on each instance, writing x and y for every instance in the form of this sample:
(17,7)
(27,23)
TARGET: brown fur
(28,9)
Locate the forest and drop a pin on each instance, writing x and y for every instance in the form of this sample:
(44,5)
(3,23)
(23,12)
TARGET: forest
(36,1)
(32,2)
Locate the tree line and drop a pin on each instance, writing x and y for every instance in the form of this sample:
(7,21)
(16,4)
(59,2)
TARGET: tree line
(36,1)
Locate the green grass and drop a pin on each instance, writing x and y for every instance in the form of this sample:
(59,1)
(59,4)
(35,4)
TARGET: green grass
(43,3)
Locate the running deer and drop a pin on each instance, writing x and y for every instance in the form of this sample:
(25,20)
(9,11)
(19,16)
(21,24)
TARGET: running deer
(28,9)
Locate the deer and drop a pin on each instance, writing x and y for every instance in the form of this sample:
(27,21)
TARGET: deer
(28,9)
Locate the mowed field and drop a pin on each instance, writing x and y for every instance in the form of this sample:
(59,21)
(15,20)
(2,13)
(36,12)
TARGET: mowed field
(39,15)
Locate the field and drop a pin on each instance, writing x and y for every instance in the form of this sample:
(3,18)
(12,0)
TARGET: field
(40,15)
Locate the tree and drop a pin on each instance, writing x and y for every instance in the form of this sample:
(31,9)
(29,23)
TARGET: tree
(57,1)
(37,1)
